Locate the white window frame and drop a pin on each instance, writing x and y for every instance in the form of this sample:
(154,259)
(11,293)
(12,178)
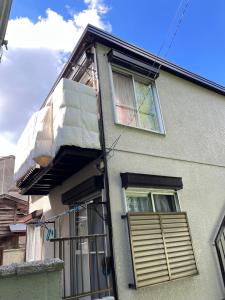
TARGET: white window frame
(143,79)
(147,191)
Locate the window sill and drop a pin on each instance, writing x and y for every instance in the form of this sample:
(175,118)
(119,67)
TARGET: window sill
(142,129)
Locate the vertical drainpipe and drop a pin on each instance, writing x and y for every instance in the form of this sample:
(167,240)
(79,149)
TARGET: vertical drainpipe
(106,177)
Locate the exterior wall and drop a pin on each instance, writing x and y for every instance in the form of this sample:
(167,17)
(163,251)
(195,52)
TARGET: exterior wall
(7,184)
(192,148)
(36,281)
(6,173)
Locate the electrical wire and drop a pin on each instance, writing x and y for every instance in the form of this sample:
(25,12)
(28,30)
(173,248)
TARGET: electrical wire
(55,217)
(180,12)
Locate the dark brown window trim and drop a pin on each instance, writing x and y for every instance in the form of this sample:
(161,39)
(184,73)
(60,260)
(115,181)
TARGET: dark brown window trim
(150,181)
(133,64)
(84,189)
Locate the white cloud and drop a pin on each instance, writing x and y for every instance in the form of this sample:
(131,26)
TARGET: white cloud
(32,63)
(7,147)
(53,32)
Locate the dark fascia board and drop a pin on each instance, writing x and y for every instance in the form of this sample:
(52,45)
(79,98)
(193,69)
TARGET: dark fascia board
(114,42)
(92,35)
(151,181)
(118,58)
(84,189)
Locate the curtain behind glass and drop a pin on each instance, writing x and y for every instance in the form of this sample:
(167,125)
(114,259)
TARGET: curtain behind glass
(164,203)
(146,105)
(125,99)
(139,204)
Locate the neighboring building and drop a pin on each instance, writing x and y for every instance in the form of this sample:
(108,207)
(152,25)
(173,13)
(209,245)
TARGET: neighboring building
(13,207)
(5,7)
(134,146)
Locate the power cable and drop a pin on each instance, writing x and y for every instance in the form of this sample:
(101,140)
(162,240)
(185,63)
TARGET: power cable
(181,10)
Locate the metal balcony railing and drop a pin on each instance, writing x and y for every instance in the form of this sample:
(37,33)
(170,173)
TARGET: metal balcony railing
(86,273)
(220,248)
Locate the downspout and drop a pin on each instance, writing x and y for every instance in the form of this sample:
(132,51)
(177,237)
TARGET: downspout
(106,177)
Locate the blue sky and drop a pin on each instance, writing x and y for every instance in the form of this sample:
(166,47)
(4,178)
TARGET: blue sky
(42,33)
(199,45)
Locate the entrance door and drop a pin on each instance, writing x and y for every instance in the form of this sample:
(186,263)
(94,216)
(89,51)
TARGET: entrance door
(88,252)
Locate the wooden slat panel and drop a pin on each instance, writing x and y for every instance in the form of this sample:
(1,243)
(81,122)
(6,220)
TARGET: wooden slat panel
(148,247)
(143,222)
(181,258)
(178,249)
(175,230)
(153,281)
(181,269)
(177,238)
(144,217)
(178,243)
(174,225)
(148,242)
(136,215)
(145,232)
(185,274)
(151,264)
(161,267)
(170,220)
(152,275)
(145,237)
(148,253)
(177,234)
(172,216)
(150,257)
(161,247)
(182,263)
(143,227)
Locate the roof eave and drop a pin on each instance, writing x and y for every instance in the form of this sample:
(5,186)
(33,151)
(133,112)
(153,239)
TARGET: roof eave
(93,34)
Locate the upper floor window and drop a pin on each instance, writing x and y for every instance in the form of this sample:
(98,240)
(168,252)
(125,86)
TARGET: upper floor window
(136,101)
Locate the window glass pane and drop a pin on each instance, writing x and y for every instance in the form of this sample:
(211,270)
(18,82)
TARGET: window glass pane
(164,203)
(146,105)
(125,99)
(139,204)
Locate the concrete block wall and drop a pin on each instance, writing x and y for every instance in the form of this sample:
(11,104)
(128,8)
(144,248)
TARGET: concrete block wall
(35,280)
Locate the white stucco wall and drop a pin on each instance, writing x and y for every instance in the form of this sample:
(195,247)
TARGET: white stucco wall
(192,148)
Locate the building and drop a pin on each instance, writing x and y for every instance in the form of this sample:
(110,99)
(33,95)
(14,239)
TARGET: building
(5,7)
(13,207)
(126,160)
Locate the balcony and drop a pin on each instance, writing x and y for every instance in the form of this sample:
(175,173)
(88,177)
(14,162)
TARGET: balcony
(59,140)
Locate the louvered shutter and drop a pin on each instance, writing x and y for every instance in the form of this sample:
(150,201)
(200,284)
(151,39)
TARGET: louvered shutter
(161,247)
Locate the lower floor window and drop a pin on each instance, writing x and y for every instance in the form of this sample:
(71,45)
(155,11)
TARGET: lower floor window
(145,200)
(159,235)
